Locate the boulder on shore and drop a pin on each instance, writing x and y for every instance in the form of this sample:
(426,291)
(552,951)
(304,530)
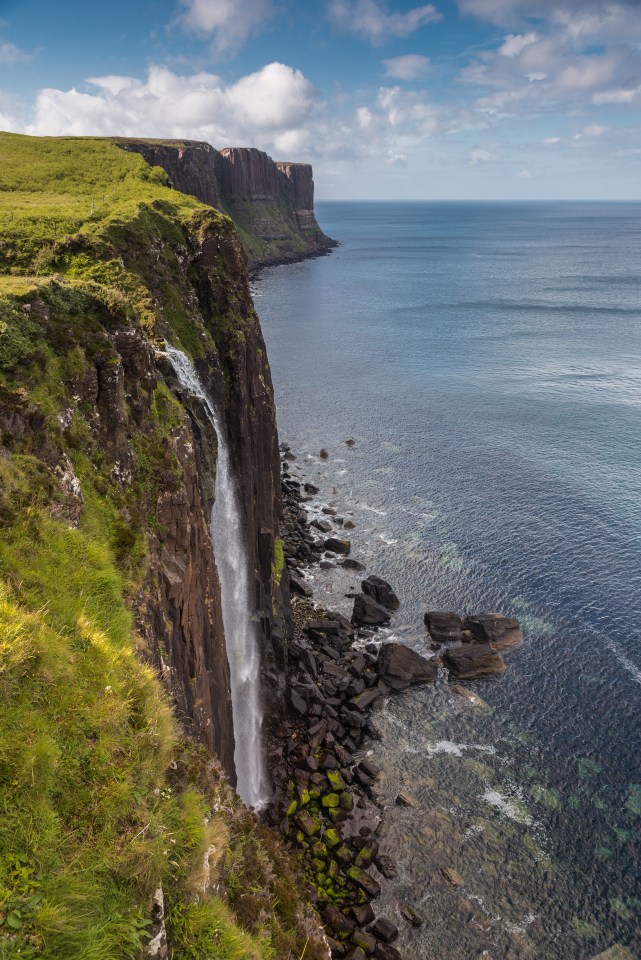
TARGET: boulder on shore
(298,585)
(396,662)
(368,613)
(381,591)
(472,660)
(502,632)
(444,626)
(336,545)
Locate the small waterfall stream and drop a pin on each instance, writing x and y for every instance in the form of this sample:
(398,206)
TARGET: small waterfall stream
(241,635)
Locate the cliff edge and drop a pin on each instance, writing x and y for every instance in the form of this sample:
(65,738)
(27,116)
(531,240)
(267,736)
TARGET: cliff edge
(271,203)
(122,837)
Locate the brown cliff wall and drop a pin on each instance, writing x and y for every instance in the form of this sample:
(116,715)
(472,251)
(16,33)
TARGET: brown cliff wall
(272,204)
(192,166)
(300,184)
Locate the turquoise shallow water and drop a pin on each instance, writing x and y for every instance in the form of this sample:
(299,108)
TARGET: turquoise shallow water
(486,358)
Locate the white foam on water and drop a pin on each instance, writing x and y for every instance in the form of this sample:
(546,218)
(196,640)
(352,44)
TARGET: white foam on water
(239,618)
(457,749)
(624,660)
(379,513)
(509,807)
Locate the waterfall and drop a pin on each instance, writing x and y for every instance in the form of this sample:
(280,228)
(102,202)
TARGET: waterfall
(239,620)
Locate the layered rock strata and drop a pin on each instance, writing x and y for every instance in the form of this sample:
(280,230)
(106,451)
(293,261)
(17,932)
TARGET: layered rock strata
(272,204)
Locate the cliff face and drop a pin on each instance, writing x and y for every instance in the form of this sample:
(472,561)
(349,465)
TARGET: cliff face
(107,479)
(272,204)
(192,166)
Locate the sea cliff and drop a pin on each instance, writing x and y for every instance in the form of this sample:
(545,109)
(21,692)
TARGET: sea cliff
(271,204)
(116,733)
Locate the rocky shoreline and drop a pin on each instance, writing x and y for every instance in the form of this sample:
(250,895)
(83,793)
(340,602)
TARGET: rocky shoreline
(325,801)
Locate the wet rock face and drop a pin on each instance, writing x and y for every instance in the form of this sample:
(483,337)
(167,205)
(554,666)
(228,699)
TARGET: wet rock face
(502,632)
(444,626)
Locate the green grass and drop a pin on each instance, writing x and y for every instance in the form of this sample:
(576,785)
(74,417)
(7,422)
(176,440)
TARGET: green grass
(278,564)
(54,187)
(101,798)
(247,215)
(83,210)
(85,740)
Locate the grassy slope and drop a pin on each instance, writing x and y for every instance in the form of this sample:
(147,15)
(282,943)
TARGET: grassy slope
(100,799)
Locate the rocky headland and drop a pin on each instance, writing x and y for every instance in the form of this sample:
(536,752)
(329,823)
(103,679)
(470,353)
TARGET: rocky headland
(271,203)
(117,733)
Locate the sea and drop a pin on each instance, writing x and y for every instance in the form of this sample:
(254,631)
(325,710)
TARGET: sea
(485,358)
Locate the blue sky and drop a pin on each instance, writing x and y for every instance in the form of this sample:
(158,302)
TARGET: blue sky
(450,99)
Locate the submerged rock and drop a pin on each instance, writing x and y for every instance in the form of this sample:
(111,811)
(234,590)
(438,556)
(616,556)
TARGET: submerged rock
(351,564)
(468,695)
(617,952)
(404,799)
(411,915)
(453,877)
(473,660)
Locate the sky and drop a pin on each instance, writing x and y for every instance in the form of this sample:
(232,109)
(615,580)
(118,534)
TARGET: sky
(455,99)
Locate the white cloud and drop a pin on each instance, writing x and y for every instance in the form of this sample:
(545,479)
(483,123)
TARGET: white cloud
(550,141)
(372,21)
(581,19)
(268,109)
(594,130)
(408,111)
(481,156)
(9,53)
(411,66)
(365,118)
(514,44)
(588,72)
(394,159)
(525,174)
(617,96)
(228,22)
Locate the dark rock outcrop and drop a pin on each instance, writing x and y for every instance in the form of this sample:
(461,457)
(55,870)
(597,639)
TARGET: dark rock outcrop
(381,591)
(473,660)
(444,626)
(368,613)
(502,632)
(401,666)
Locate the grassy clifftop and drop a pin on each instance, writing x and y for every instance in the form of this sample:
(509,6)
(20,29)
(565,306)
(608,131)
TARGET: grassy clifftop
(102,799)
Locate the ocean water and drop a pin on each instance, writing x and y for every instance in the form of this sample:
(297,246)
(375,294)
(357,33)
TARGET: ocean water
(486,359)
